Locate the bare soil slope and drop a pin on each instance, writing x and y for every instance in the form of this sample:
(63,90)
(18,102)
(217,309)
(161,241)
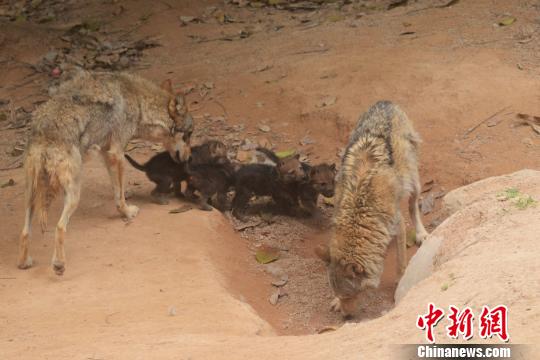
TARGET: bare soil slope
(179,285)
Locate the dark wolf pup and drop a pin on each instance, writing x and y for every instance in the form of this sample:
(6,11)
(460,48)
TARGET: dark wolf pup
(168,174)
(305,182)
(379,169)
(209,180)
(101,111)
(280,182)
(320,180)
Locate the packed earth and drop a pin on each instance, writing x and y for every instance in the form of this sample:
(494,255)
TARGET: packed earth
(291,76)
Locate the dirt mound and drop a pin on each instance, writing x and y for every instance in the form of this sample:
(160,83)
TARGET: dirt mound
(157,287)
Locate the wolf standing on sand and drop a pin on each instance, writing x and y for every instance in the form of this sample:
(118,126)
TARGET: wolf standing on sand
(94,111)
(379,169)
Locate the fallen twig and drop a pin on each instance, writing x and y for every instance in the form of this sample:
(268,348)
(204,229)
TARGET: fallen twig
(222,107)
(470,130)
(322,50)
(11,167)
(181,209)
(532,121)
(247,226)
(442,6)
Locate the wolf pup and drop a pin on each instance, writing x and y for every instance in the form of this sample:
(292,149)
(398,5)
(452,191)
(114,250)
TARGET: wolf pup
(379,168)
(305,182)
(94,110)
(210,180)
(162,170)
(168,174)
(279,182)
(321,180)
(290,169)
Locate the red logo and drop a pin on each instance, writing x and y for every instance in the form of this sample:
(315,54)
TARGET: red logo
(429,321)
(461,323)
(493,322)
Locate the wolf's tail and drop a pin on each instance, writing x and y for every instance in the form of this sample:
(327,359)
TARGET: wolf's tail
(135,164)
(269,153)
(43,169)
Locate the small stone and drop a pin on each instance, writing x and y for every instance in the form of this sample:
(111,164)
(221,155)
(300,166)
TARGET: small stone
(264,128)
(282,281)
(274,298)
(327,101)
(528,142)
(307,140)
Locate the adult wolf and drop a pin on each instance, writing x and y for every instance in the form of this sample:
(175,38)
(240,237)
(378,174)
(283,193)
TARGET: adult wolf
(101,111)
(379,169)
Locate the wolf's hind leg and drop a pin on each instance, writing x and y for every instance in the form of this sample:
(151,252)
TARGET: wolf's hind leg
(72,193)
(414,211)
(114,160)
(25,261)
(401,242)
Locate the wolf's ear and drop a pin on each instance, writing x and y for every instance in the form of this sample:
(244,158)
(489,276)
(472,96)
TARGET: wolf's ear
(323,252)
(180,104)
(171,107)
(167,86)
(353,270)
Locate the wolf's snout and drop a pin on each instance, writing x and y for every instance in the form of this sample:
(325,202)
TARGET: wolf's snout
(183,151)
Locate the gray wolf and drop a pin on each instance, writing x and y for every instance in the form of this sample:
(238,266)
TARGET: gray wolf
(379,169)
(94,111)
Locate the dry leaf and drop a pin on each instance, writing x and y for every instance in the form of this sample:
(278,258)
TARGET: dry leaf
(285,153)
(507,21)
(266,254)
(181,209)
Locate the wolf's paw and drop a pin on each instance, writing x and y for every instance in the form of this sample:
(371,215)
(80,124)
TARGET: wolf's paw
(58,268)
(420,237)
(25,263)
(130,211)
(335,305)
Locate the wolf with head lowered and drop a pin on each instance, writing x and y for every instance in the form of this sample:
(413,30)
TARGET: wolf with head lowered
(379,168)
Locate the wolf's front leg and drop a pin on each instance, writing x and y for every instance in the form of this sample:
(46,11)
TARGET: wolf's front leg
(114,160)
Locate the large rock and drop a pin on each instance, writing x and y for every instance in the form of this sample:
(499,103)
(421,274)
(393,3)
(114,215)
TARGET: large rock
(481,194)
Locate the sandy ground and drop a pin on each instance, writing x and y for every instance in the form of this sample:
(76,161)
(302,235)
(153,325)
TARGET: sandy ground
(455,70)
